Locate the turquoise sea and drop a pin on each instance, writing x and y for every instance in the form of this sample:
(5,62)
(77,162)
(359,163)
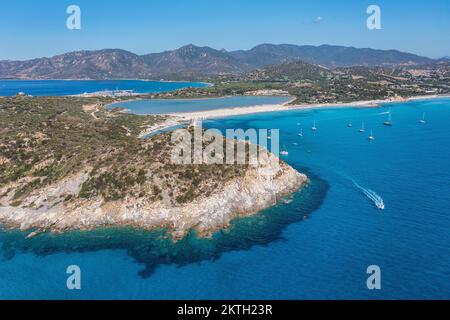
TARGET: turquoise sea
(318,246)
(72,87)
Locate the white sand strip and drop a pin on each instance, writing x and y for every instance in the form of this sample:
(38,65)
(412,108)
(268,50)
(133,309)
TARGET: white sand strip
(179,118)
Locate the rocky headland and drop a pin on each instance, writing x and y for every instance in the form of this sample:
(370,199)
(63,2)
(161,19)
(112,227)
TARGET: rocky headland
(67,165)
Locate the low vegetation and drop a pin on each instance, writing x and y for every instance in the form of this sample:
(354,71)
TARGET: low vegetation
(315,84)
(45,140)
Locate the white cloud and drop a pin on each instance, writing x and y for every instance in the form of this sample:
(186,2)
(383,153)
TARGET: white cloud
(318,19)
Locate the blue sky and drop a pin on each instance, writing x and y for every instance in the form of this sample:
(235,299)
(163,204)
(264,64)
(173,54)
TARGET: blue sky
(30,28)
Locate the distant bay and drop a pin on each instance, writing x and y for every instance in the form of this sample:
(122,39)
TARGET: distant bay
(74,87)
(164,106)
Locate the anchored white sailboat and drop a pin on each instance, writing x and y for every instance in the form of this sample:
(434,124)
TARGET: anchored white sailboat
(423,119)
(362,128)
(284,152)
(314,128)
(388,122)
(301,133)
(371,137)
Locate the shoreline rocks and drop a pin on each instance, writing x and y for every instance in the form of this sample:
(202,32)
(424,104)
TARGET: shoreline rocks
(260,188)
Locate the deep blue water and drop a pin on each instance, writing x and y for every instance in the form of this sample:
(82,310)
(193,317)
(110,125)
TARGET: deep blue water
(317,246)
(162,106)
(72,87)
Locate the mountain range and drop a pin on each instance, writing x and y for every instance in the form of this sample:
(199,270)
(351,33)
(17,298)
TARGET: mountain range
(192,61)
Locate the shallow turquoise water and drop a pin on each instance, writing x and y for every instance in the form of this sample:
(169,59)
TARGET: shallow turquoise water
(316,247)
(72,87)
(163,106)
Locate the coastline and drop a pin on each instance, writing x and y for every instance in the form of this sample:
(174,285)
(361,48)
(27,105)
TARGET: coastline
(260,188)
(115,79)
(176,119)
(220,113)
(131,93)
(242,197)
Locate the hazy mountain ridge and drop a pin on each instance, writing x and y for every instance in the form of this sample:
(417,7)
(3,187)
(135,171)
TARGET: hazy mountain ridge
(326,55)
(101,64)
(190,61)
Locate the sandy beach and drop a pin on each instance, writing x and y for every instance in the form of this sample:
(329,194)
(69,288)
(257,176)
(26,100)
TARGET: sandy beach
(175,119)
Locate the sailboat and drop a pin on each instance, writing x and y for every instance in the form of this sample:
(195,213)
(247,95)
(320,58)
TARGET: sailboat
(362,128)
(371,137)
(423,119)
(301,133)
(284,152)
(314,128)
(388,122)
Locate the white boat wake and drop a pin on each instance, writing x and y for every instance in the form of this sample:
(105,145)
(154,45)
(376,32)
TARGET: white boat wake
(372,195)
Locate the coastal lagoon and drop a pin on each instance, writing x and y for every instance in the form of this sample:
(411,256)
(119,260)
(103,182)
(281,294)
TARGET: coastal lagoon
(165,106)
(74,87)
(315,245)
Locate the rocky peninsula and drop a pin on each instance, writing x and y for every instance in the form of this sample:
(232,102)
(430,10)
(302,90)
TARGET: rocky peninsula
(70,164)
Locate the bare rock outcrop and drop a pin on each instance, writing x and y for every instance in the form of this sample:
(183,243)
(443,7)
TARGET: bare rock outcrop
(261,187)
